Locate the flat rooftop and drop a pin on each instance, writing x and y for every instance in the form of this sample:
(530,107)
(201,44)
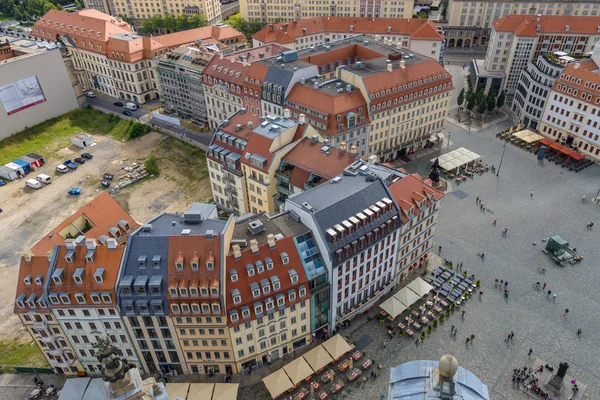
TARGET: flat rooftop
(174,225)
(274,126)
(22,47)
(194,58)
(282,224)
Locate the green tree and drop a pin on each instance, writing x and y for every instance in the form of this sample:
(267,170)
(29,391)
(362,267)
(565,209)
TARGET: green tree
(170,23)
(482,107)
(491,103)
(461,97)
(444,9)
(198,21)
(151,165)
(500,100)
(471,102)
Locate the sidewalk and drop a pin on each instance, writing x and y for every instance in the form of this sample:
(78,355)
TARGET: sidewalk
(475,124)
(26,380)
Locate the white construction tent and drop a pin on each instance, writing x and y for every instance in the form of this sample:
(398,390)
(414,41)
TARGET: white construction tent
(456,159)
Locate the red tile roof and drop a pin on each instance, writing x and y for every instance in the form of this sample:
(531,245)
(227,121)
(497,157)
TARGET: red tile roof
(103,213)
(576,76)
(526,25)
(410,190)
(412,73)
(199,249)
(307,157)
(288,32)
(285,245)
(36,266)
(109,259)
(224,34)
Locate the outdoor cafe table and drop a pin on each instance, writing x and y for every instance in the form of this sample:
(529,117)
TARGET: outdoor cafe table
(302,393)
(430,314)
(424,320)
(438,271)
(442,268)
(440,281)
(428,279)
(417,325)
(409,332)
(356,356)
(35,392)
(451,298)
(443,293)
(323,395)
(367,364)
(315,386)
(354,374)
(436,284)
(438,309)
(344,366)
(413,312)
(429,303)
(423,308)
(401,325)
(336,387)
(327,376)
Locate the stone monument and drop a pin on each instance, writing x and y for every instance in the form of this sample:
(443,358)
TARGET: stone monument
(122,379)
(434,175)
(556,382)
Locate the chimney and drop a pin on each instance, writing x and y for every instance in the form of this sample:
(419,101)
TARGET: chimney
(314,139)
(343,147)
(250,125)
(271,240)
(111,243)
(254,246)
(576,66)
(27,256)
(538,17)
(301,119)
(348,88)
(399,45)
(402,64)
(316,85)
(90,243)
(351,28)
(295,23)
(286,113)
(377,38)
(237,254)
(389,67)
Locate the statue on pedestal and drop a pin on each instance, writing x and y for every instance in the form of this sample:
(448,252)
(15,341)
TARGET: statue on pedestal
(114,368)
(434,175)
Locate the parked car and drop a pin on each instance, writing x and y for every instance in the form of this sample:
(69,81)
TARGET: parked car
(128,113)
(62,168)
(32,183)
(90,94)
(79,160)
(87,156)
(118,104)
(70,164)
(44,179)
(2,183)
(131,106)
(74,191)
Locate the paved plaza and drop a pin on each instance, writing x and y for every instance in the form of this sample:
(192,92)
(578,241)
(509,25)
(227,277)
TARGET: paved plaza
(463,231)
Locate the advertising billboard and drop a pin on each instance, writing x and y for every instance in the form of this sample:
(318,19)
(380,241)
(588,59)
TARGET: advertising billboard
(21,94)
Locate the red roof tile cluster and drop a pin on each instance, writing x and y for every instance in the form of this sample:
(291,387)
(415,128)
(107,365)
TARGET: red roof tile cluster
(308,158)
(583,78)
(289,32)
(200,261)
(102,213)
(412,192)
(35,270)
(532,25)
(283,248)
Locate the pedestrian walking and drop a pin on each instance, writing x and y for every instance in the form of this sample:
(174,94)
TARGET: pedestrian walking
(566,311)
(439,250)
(452,329)
(531,194)
(512,334)
(483,209)
(530,352)
(455,331)
(549,293)
(544,288)
(472,336)
(494,223)
(477,200)
(507,338)
(467,341)
(463,313)
(579,331)
(385,344)
(554,296)
(505,284)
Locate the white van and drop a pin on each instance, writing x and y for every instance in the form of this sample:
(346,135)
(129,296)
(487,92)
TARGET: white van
(32,183)
(62,168)
(44,179)
(131,106)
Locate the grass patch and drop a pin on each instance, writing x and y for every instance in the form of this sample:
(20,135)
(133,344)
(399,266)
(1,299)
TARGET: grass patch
(53,135)
(5,17)
(20,354)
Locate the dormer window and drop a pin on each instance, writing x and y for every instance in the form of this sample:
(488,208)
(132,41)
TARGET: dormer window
(65,298)
(156,261)
(266,289)
(234,316)
(292,295)
(258,309)
(281,301)
(270,305)
(173,291)
(42,303)
(194,263)
(302,291)
(203,291)
(250,269)
(106,297)
(276,285)
(237,299)
(78,275)
(57,276)
(20,301)
(80,297)
(293,275)
(216,308)
(179,263)
(260,268)
(256,293)
(214,291)
(193,291)
(39,280)
(269,263)
(175,308)
(183,291)
(95,297)
(89,257)
(246,313)
(99,275)
(205,308)
(141,261)
(195,308)
(27,280)
(54,298)
(69,256)
(284,258)
(233,275)
(210,265)
(185,308)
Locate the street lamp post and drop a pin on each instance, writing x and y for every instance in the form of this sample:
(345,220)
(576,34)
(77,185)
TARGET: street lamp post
(449,136)
(501,158)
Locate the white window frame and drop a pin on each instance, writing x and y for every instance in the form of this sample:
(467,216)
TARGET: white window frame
(245,313)
(214,291)
(276,285)
(175,308)
(205,308)
(173,291)
(292,296)
(256,293)
(302,292)
(295,278)
(95,299)
(258,309)
(216,309)
(104,298)
(237,299)
(80,298)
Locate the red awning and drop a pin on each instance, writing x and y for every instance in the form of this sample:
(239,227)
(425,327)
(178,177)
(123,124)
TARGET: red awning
(555,146)
(576,156)
(566,151)
(545,141)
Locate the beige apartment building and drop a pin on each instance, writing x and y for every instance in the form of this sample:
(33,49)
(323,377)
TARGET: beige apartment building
(280,10)
(138,10)
(268,302)
(470,22)
(109,57)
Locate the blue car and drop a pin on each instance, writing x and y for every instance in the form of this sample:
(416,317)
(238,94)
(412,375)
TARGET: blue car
(2,183)
(70,164)
(74,191)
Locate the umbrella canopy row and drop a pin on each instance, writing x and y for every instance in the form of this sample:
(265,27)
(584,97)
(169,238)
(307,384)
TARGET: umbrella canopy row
(202,391)
(301,368)
(456,159)
(406,297)
(528,136)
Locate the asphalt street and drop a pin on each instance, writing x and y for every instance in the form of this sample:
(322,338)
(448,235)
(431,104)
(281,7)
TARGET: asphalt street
(108,105)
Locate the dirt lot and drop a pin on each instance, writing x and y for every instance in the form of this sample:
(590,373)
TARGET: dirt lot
(28,214)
